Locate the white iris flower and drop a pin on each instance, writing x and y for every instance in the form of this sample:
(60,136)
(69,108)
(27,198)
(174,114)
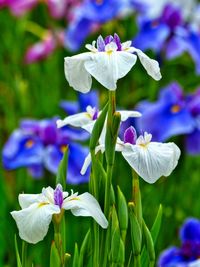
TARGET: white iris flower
(87,119)
(107,62)
(37,210)
(150,160)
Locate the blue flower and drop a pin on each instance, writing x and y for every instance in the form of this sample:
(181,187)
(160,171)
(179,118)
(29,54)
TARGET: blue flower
(88,17)
(189,253)
(168,116)
(38,144)
(170,33)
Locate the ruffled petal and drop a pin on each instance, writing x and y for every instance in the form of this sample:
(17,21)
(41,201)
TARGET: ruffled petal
(150,65)
(76,74)
(153,160)
(25,200)
(33,222)
(77,120)
(86,205)
(108,67)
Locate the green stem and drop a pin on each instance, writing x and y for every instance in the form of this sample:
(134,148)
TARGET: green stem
(137,197)
(95,225)
(110,150)
(59,231)
(137,261)
(151,264)
(24,254)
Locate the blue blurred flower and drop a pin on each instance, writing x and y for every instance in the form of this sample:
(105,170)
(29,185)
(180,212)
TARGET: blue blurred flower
(38,144)
(89,16)
(170,33)
(168,116)
(189,253)
(172,114)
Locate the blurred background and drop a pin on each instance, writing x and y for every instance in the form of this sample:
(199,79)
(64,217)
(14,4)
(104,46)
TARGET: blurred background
(36,35)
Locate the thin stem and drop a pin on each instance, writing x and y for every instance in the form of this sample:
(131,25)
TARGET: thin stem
(95,225)
(137,261)
(110,150)
(24,254)
(137,197)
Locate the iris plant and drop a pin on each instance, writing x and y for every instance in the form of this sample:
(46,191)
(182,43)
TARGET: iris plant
(189,252)
(107,61)
(38,209)
(38,144)
(176,112)
(170,33)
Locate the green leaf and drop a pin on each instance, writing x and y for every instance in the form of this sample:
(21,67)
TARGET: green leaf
(19,264)
(122,213)
(154,233)
(149,243)
(54,256)
(136,232)
(76,257)
(84,249)
(97,129)
(62,170)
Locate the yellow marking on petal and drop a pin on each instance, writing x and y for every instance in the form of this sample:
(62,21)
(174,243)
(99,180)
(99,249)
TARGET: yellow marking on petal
(42,204)
(88,115)
(75,198)
(63,148)
(175,108)
(109,52)
(29,143)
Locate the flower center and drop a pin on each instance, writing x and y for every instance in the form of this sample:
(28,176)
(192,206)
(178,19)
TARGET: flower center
(58,196)
(29,143)
(92,112)
(175,108)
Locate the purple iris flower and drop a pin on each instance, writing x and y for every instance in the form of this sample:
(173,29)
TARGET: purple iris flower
(88,17)
(189,251)
(169,33)
(192,139)
(168,116)
(38,144)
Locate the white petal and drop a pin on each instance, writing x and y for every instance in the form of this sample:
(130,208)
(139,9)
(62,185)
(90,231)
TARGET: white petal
(195,263)
(25,200)
(77,120)
(86,164)
(87,160)
(33,222)
(150,65)
(153,160)
(108,67)
(86,205)
(125,114)
(89,126)
(76,73)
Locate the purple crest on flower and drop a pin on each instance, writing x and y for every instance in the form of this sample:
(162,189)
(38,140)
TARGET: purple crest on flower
(130,135)
(58,196)
(95,115)
(100,44)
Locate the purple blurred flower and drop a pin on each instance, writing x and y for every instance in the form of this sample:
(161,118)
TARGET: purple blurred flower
(169,33)
(189,253)
(38,144)
(173,114)
(168,116)
(89,16)
(44,48)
